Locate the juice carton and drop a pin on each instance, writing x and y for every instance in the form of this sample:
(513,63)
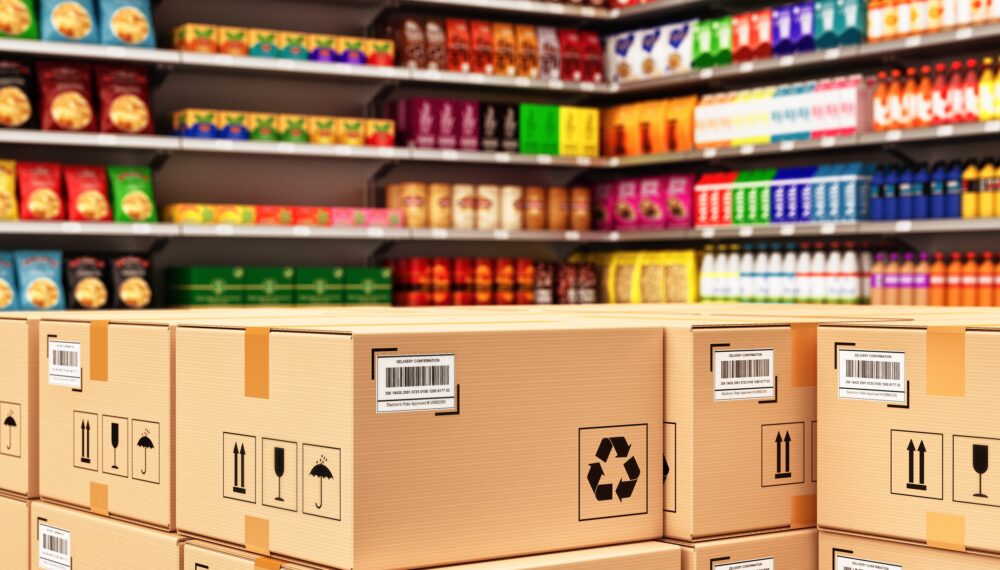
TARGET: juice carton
(679,201)
(483,57)
(722,41)
(380,132)
(321,47)
(232,125)
(590,132)
(759,198)
(504,49)
(570,55)
(592,57)
(322,129)
(232,41)
(293,128)
(702,189)
(276,215)
(529,128)
(742,37)
(196,37)
(380,51)
(549,54)
(292,45)
(803,28)
(351,131)
(263,126)
(459,45)
(781,184)
(527,50)
(825,31)
(678,44)
(468,125)
(447,124)
(263,43)
(570,131)
(702,54)
(738,193)
(760,33)
(200,123)
(782,42)
(818,190)
(851,22)
(352,50)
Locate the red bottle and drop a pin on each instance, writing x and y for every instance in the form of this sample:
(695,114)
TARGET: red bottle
(956,94)
(894,100)
(970,91)
(939,95)
(925,91)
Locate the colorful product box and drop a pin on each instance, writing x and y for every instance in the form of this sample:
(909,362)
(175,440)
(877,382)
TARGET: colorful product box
(292,45)
(236,214)
(651,203)
(311,216)
(416,121)
(680,201)
(199,286)
(196,37)
(189,213)
(319,286)
(198,123)
(269,286)
(263,43)
(626,209)
(385,217)
(380,52)
(322,47)
(590,131)
(232,125)
(570,131)
(468,125)
(322,129)
(351,131)
(349,217)
(263,126)
(352,50)
(276,215)
(293,128)
(447,124)
(509,129)
(232,41)
(380,132)
(368,286)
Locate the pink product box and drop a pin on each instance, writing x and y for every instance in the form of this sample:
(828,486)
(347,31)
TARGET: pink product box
(349,217)
(468,125)
(447,123)
(604,206)
(385,217)
(679,201)
(416,121)
(626,205)
(651,203)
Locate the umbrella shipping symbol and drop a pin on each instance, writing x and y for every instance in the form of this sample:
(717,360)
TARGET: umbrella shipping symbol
(146,444)
(321,472)
(321,481)
(10,423)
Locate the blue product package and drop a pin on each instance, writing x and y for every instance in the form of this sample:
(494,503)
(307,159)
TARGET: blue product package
(127,23)
(921,193)
(848,193)
(825,24)
(39,273)
(803,192)
(890,195)
(782,42)
(905,193)
(852,21)
(877,203)
(802,27)
(864,192)
(953,191)
(936,190)
(68,21)
(817,189)
(779,195)
(834,190)
(8,282)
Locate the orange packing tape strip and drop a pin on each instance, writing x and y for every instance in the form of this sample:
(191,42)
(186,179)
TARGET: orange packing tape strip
(803,511)
(803,355)
(257,535)
(99,499)
(946,361)
(946,531)
(99,351)
(256,361)
(264,563)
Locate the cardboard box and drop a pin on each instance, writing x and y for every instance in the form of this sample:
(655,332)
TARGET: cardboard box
(914,409)
(201,555)
(67,538)
(435,476)
(841,551)
(19,402)
(14,521)
(794,549)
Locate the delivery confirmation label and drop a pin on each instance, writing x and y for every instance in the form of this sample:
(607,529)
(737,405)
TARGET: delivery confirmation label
(743,374)
(415,383)
(64,364)
(759,564)
(53,548)
(848,563)
(876,376)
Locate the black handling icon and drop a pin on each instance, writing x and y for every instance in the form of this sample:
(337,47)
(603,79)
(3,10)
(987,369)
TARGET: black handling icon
(917,483)
(625,488)
(146,444)
(320,471)
(10,423)
(239,469)
(981,463)
(279,470)
(783,471)
(114,444)
(85,441)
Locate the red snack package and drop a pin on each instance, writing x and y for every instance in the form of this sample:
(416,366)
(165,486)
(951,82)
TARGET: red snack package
(124,95)
(592,57)
(459,45)
(39,185)
(482,47)
(569,50)
(66,96)
(311,216)
(279,215)
(87,192)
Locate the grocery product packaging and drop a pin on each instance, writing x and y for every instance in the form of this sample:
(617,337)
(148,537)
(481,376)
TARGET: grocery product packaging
(483,56)
(351,131)
(411,45)
(127,23)
(549,55)
(504,49)
(321,47)
(570,129)
(66,90)
(557,210)
(40,188)
(367,286)
(233,125)
(196,37)
(131,279)
(534,208)
(68,21)
(311,216)
(416,121)
(232,40)
(463,206)
(604,206)
(19,20)
(132,193)
(651,203)
(509,129)
(447,123)
(592,57)
(626,210)
(206,285)
(459,45)
(39,278)
(263,43)
(319,286)
(292,45)
(436,40)
(527,58)
(14,531)
(580,208)
(586,492)
(512,207)
(17,101)
(322,129)
(87,282)
(570,56)
(413,199)
(380,52)
(124,99)
(237,214)
(352,50)
(789,549)
(263,126)
(490,117)
(468,125)
(199,123)
(293,128)
(8,292)
(851,551)
(680,201)
(487,207)
(677,41)
(269,285)
(87,192)
(380,132)
(439,213)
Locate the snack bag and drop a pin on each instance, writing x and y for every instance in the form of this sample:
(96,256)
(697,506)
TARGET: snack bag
(263,126)
(322,129)
(233,125)
(527,51)
(16,95)
(124,99)
(17,20)
(571,58)
(39,273)
(66,96)
(620,58)
(352,50)
(276,215)
(483,57)
(459,45)
(127,23)
(504,49)
(189,213)
(322,47)
(132,193)
(232,41)
(549,58)
(380,52)
(87,193)
(130,275)
(263,43)
(200,38)
(293,128)
(68,21)
(592,57)
(86,281)
(8,282)
(8,190)
(40,186)
(380,132)
(437,44)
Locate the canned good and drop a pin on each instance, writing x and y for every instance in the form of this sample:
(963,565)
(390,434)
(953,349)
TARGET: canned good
(512,207)
(534,208)
(558,208)
(580,208)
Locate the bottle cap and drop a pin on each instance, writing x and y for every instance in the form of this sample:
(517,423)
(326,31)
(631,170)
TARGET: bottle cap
(908,256)
(955,256)
(893,257)
(971,62)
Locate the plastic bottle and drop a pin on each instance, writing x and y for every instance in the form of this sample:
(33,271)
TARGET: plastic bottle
(936,189)
(818,270)
(996,284)
(707,276)
(894,100)
(890,280)
(850,276)
(987,187)
(732,277)
(996,87)
(908,100)
(867,261)
(970,91)
(876,20)
(970,279)
(956,94)
(994,190)
(939,96)
(920,195)
(761,276)
(963,12)
(970,191)
(987,79)
(788,264)
(980,11)
(924,116)
(985,283)
(905,280)
(890,195)
(745,291)
(905,192)
(876,204)
(775,275)
(833,280)
(921,281)
(953,280)
(877,279)
(903,18)
(880,102)
(938,285)
(803,276)
(935,11)
(953,191)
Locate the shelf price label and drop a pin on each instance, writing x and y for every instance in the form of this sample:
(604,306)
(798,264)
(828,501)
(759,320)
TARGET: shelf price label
(831,54)
(544,159)
(707,73)
(583,161)
(786,61)
(588,86)
(786,230)
(963,34)
(439,233)
(502,235)
(893,135)
(107,140)
(449,155)
(747,149)
(945,130)
(572,235)
(225,230)
(904,226)
(376,232)
(786,146)
(142,229)
(286,148)
(72,227)
(503,157)
(913,41)
(708,233)
(556,84)
(224,145)
(991,127)
(746,67)
(614,236)
(746,232)
(828,229)
(710,153)
(301,231)
(828,142)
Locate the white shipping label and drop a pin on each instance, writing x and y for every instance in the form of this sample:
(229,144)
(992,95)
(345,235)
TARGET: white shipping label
(848,563)
(65,368)
(415,383)
(743,374)
(876,376)
(759,564)
(53,548)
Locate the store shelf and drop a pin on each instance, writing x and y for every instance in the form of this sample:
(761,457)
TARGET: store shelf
(541,8)
(89,140)
(108,229)
(64,50)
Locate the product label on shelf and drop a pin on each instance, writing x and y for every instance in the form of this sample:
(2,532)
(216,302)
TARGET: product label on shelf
(759,564)
(848,563)
(65,368)
(743,375)
(53,548)
(415,383)
(876,376)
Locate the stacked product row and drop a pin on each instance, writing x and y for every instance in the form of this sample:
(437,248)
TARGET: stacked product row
(39,280)
(257,42)
(937,279)
(316,129)
(218,286)
(246,214)
(109,22)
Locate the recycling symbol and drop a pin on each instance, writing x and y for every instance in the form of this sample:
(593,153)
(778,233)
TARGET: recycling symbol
(626,484)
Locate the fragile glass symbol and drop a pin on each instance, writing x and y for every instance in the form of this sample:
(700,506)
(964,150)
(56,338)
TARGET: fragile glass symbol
(321,471)
(279,469)
(10,423)
(981,463)
(114,445)
(146,444)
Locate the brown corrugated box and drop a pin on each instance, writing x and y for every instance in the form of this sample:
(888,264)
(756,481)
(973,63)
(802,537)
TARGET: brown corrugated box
(635,556)
(19,403)
(14,520)
(80,540)
(788,550)
(914,407)
(845,551)
(514,456)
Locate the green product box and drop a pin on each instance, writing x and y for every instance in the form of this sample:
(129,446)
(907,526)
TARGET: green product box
(368,286)
(739,196)
(703,56)
(201,286)
(319,285)
(538,128)
(759,198)
(270,285)
(722,41)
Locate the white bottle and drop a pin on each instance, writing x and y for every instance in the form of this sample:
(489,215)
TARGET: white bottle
(832,291)
(707,277)
(851,288)
(733,274)
(803,268)
(760,274)
(817,274)
(775,276)
(866,261)
(788,263)
(745,291)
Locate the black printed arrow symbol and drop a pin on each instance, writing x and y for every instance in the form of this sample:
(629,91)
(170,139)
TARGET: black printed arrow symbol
(788,453)
(621,445)
(602,492)
(666,469)
(625,488)
(632,468)
(604,450)
(922,450)
(787,472)
(243,466)
(239,460)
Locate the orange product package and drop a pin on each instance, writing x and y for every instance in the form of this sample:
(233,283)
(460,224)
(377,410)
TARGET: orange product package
(322,129)
(87,190)
(277,215)
(659,133)
(481,40)
(351,131)
(680,123)
(236,214)
(311,216)
(504,49)
(632,128)
(613,131)
(459,45)
(527,51)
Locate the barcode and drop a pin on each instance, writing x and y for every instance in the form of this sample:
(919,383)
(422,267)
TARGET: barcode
(417,376)
(873,369)
(755,368)
(55,544)
(65,358)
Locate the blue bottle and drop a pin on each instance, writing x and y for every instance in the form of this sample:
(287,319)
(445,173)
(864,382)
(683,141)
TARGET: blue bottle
(890,194)
(904,191)
(936,191)
(953,191)
(876,204)
(921,193)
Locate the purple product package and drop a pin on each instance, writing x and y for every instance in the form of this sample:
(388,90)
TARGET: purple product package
(416,122)
(627,204)
(604,206)
(468,125)
(447,123)
(679,201)
(652,202)
(489,126)
(802,27)
(782,42)
(510,137)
